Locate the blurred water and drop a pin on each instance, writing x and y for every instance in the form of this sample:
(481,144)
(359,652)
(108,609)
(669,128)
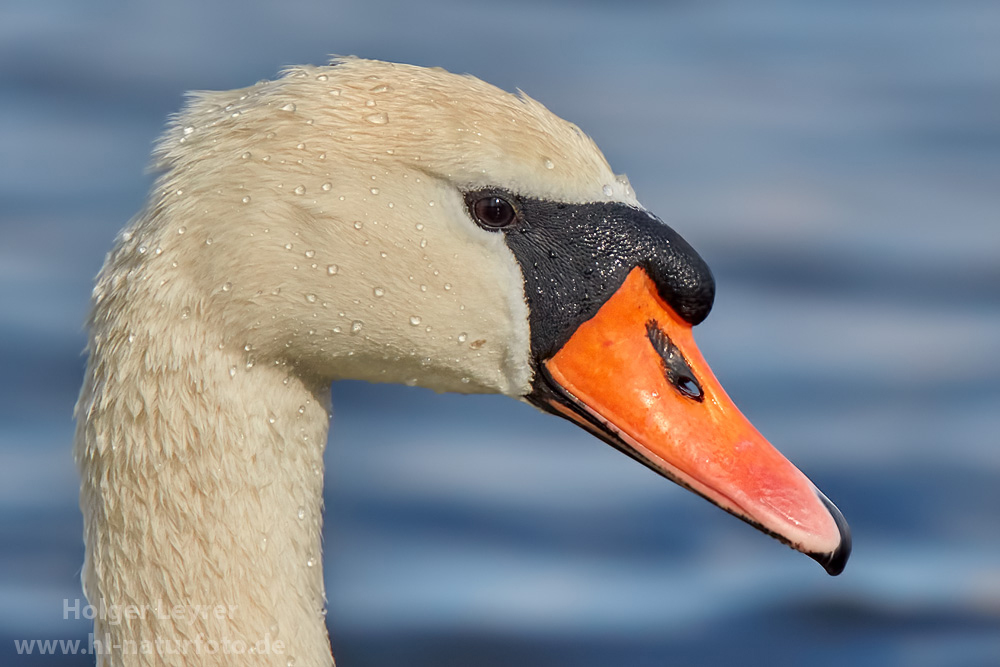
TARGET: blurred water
(837,164)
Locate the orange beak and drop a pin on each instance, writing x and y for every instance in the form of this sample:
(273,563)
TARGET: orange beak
(633,376)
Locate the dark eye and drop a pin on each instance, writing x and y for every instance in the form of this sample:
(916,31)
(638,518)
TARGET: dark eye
(492,211)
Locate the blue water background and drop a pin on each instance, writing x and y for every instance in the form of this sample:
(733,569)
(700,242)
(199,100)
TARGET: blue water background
(836,163)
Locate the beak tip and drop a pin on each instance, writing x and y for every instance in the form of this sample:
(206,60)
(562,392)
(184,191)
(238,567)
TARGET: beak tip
(835,561)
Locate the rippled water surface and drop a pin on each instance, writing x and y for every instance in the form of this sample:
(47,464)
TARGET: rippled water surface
(837,164)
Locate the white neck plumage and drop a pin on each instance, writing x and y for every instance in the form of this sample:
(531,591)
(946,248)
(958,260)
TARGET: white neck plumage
(203,482)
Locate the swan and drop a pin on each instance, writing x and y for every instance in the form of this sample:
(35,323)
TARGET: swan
(388,223)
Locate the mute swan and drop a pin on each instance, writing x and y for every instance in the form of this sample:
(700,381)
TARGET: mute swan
(393,224)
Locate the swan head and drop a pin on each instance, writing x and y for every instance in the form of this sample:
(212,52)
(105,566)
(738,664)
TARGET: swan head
(398,224)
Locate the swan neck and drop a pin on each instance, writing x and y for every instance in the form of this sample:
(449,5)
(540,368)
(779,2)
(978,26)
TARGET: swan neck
(202,499)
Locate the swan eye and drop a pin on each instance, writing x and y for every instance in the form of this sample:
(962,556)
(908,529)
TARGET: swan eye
(492,211)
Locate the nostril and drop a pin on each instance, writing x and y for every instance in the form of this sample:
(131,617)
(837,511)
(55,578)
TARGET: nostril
(675,366)
(689,387)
